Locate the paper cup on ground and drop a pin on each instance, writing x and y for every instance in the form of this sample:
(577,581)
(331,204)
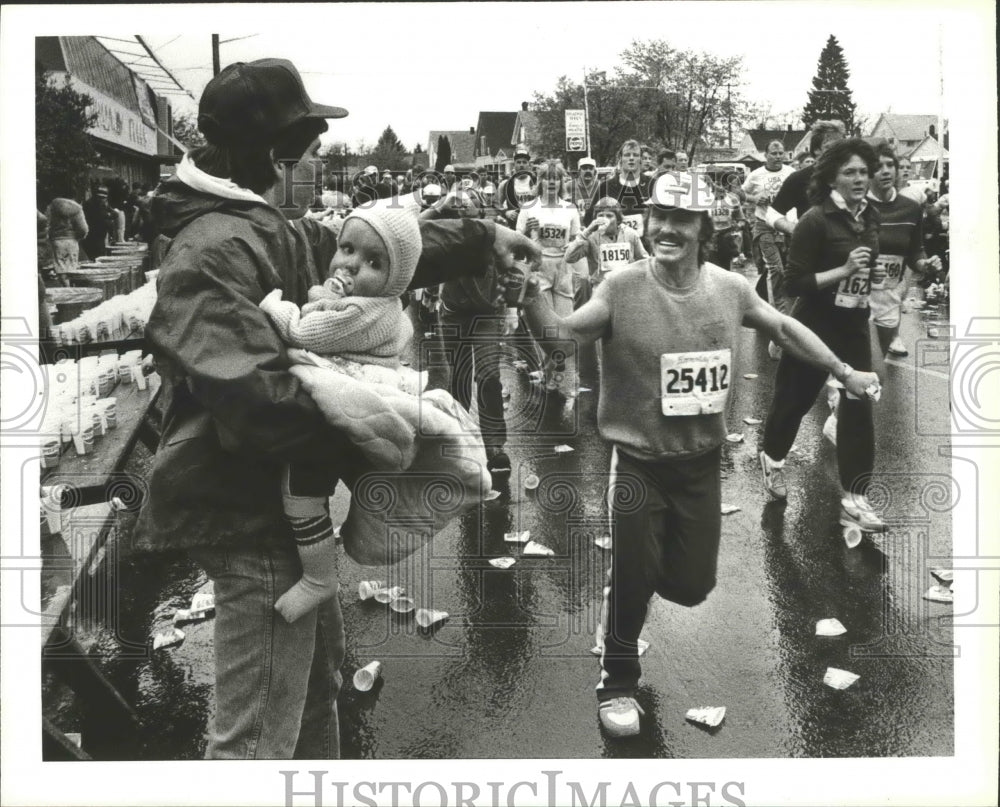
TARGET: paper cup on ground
(427,617)
(839,679)
(51,452)
(387,595)
(367,588)
(402,605)
(531,482)
(710,716)
(830,627)
(365,678)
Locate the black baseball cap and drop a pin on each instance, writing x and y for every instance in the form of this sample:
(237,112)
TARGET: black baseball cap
(250,102)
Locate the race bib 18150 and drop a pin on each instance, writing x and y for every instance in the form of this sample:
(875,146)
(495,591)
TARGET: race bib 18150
(695,383)
(853,291)
(615,255)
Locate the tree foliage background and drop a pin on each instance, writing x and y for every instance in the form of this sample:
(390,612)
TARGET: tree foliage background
(830,98)
(660,95)
(63,151)
(443,153)
(389,152)
(186,130)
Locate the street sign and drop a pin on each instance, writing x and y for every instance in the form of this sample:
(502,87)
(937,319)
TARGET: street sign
(576,130)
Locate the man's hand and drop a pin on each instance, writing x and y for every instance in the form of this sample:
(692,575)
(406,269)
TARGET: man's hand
(858,383)
(509,246)
(531,289)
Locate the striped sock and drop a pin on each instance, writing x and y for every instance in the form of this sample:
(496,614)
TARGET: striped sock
(312,529)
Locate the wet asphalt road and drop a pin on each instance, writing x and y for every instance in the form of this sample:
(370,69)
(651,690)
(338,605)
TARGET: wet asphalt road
(509,675)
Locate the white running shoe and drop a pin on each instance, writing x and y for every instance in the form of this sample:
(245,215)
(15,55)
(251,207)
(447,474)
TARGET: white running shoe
(774,476)
(830,428)
(897,348)
(856,511)
(620,716)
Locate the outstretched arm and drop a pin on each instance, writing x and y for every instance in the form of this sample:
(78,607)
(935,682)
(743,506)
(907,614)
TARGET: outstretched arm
(805,345)
(585,325)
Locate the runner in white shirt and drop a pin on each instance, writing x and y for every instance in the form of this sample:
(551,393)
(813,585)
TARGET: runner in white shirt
(553,223)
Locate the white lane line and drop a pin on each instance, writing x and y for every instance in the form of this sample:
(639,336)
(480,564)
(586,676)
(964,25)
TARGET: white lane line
(924,370)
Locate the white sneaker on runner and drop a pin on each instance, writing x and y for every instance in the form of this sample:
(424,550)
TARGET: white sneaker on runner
(856,511)
(897,348)
(774,476)
(620,716)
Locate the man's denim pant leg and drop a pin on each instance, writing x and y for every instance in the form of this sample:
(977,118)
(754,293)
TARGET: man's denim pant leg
(276,684)
(769,250)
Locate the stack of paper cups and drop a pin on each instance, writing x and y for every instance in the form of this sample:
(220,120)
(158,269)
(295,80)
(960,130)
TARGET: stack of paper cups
(368,588)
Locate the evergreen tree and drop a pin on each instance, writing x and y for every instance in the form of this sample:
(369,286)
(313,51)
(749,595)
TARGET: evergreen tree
(389,152)
(830,97)
(186,130)
(63,151)
(443,154)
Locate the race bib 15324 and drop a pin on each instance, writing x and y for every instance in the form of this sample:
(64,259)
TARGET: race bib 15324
(695,383)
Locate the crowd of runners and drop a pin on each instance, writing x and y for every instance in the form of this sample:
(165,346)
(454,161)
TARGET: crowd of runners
(638,263)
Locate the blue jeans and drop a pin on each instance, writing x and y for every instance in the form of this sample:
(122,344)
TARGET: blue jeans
(276,684)
(770,255)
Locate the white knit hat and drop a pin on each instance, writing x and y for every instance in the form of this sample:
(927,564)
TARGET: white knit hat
(395,221)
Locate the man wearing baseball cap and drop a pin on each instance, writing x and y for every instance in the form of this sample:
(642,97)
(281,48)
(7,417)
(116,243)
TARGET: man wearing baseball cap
(519,190)
(582,189)
(667,369)
(235,414)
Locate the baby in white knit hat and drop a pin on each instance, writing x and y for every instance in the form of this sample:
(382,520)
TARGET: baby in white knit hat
(355,321)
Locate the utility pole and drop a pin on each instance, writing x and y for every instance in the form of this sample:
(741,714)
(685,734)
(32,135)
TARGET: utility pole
(215,55)
(586,111)
(729,111)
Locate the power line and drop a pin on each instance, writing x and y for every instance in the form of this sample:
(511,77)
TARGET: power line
(159,64)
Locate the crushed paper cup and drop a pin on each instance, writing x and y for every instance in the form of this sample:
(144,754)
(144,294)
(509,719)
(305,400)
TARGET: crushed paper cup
(735,437)
(839,679)
(750,376)
(521,537)
(943,576)
(204,600)
(874,392)
(502,563)
(852,536)
(188,615)
(603,542)
(168,638)
(710,716)
(428,617)
(493,495)
(534,548)
(368,588)
(537,375)
(563,449)
(729,509)
(584,389)
(387,595)
(939,594)
(933,333)
(365,678)
(830,627)
(428,334)
(402,605)
(752,421)
(337,538)
(531,482)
